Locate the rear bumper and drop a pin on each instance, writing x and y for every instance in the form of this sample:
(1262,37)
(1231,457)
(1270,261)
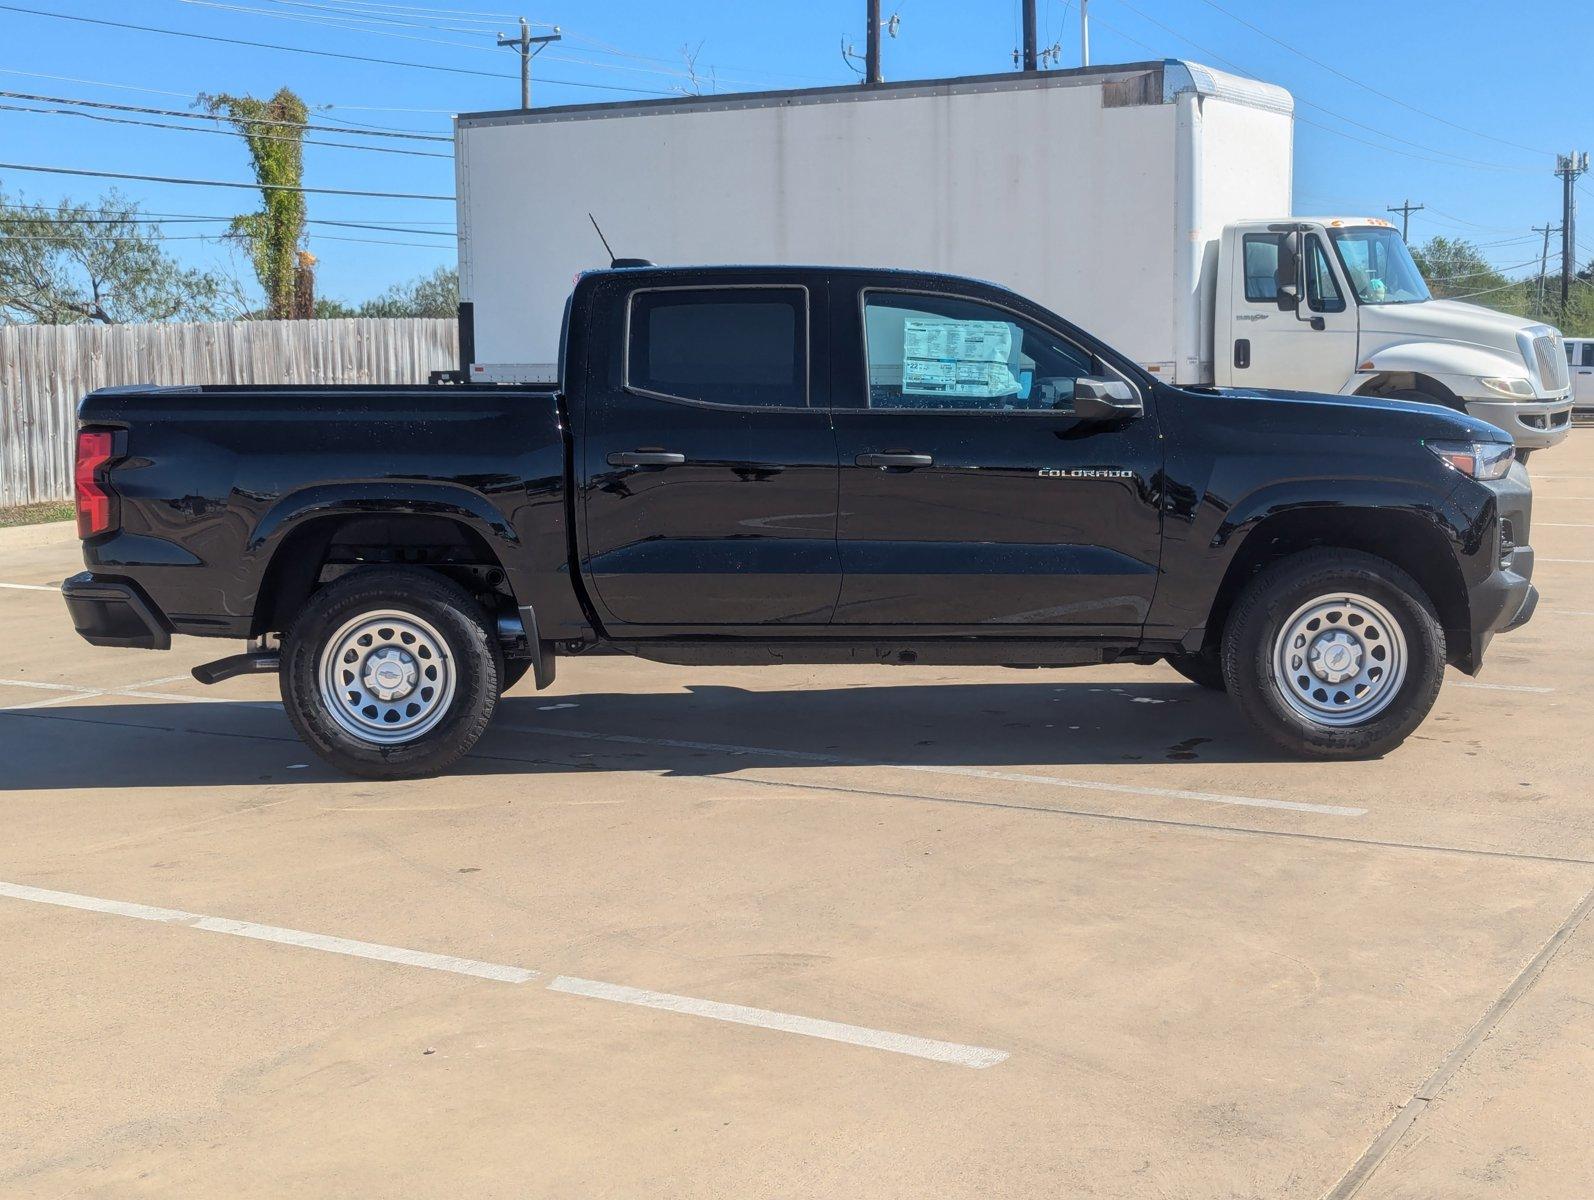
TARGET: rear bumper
(1532,424)
(115,612)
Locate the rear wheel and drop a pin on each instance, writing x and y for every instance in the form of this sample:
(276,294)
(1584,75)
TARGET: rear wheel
(1334,654)
(390,674)
(1205,668)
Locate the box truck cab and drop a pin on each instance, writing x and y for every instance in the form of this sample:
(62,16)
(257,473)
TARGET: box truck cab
(1336,304)
(1150,202)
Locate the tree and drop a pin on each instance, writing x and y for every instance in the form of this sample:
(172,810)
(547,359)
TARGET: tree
(70,263)
(274,132)
(1454,267)
(433,295)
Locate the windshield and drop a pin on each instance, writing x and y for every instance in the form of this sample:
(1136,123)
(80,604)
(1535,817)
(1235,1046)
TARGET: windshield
(1379,265)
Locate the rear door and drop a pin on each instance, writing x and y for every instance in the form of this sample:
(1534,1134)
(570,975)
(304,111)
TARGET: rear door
(707,460)
(971,494)
(1580,357)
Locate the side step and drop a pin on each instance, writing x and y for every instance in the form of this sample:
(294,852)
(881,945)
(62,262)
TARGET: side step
(256,662)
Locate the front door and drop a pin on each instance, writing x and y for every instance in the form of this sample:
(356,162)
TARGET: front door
(708,463)
(971,494)
(1309,349)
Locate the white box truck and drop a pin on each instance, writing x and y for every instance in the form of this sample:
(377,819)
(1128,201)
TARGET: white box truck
(1148,202)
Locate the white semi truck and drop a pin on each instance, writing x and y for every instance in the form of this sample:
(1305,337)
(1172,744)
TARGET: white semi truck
(1147,202)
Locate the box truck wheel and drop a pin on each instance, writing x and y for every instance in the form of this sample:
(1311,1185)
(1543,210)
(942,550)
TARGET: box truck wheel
(390,673)
(1334,654)
(1205,668)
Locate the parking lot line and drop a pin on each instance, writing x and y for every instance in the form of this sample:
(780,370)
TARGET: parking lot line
(1586,562)
(1088,785)
(1501,687)
(30,587)
(1560,525)
(955,1053)
(737,1014)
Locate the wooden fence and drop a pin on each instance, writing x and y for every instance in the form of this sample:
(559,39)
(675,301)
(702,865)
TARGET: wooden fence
(46,369)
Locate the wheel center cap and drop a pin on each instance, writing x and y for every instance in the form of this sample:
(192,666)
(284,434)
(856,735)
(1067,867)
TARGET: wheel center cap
(390,674)
(1336,657)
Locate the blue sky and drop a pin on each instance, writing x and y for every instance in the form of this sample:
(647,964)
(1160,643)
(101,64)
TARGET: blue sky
(1457,105)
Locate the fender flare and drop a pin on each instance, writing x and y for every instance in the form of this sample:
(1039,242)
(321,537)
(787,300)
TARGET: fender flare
(1453,365)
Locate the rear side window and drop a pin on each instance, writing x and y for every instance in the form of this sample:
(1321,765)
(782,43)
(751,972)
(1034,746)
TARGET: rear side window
(738,346)
(1588,354)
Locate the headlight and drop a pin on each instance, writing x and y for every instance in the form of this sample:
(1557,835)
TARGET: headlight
(1479,460)
(1508,387)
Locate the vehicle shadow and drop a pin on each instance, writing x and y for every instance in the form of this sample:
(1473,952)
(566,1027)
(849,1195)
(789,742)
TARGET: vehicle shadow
(703,730)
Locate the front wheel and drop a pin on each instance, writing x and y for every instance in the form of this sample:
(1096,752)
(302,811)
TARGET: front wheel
(1334,654)
(390,673)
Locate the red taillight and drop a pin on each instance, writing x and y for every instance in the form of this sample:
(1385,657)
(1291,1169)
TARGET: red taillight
(93,501)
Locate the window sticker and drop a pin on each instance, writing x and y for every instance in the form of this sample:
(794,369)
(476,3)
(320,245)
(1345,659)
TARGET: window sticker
(957,358)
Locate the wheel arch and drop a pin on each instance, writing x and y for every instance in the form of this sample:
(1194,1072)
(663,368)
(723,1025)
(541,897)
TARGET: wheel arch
(1388,383)
(1399,537)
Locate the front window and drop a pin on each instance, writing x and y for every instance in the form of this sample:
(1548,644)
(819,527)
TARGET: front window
(941,352)
(1379,266)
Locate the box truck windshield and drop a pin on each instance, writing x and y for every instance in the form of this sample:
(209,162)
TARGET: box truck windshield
(1379,266)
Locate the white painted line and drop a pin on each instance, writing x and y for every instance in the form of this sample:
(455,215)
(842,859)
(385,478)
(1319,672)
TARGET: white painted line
(1501,687)
(272,933)
(977,1057)
(30,587)
(1586,562)
(1559,525)
(1088,785)
(1567,612)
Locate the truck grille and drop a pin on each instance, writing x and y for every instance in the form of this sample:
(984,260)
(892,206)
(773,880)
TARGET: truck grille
(1550,352)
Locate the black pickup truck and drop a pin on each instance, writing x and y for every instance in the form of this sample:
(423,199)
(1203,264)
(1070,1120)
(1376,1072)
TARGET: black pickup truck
(801,465)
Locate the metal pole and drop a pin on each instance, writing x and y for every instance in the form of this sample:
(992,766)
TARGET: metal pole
(1405,210)
(872,45)
(1030,41)
(1084,33)
(1569,167)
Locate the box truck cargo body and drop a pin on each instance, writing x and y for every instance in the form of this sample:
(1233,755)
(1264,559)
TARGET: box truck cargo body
(1099,193)
(1147,202)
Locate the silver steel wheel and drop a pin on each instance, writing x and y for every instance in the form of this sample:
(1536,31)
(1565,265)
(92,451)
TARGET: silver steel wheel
(386,677)
(1340,659)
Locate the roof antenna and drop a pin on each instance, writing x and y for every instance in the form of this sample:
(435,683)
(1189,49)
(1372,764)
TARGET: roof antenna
(613,261)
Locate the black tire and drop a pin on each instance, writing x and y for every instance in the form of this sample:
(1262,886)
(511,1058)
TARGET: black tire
(1204,668)
(514,671)
(1278,594)
(449,725)
(1424,398)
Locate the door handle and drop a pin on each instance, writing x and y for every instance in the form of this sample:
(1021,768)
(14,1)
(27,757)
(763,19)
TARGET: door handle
(894,460)
(646,458)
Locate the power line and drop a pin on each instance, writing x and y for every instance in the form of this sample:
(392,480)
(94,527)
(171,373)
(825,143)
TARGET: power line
(207,116)
(227,183)
(1367,86)
(254,45)
(138,218)
(237,133)
(1453,159)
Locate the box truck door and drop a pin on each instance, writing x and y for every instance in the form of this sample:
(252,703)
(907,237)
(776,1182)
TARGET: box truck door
(707,461)
(1311,348)
(971,494)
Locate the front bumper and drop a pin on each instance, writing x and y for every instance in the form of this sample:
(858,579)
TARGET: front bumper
(1532,424)
(115,612)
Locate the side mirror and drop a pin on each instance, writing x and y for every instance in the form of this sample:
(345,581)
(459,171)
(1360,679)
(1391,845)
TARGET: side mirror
(1288,274)
(1100,399)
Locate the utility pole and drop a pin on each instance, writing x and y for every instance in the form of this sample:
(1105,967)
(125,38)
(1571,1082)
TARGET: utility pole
(1405,210)
(524,43)
(1031,42)
(1544,260)
(871,53)
(1569,167)
(1084,33)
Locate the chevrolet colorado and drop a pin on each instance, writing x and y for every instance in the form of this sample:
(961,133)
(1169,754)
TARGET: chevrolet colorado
(801,465)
